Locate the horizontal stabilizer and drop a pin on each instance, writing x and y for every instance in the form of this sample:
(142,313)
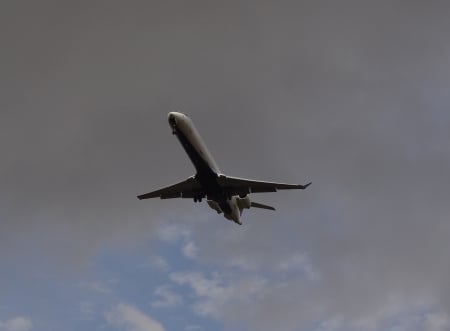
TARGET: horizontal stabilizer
(260,205)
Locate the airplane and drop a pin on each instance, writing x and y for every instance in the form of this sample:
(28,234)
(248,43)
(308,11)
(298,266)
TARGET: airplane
(224,194)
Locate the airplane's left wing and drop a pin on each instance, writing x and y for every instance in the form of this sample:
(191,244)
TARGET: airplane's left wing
(188,188)
(234,185)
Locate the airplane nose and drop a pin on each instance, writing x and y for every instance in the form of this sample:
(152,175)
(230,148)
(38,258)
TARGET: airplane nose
(172,120)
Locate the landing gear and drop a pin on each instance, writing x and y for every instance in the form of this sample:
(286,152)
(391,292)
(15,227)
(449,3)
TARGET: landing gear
(197,199)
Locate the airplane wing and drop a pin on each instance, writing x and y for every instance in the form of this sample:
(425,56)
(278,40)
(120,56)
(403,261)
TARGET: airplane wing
(188,188)
(236,186)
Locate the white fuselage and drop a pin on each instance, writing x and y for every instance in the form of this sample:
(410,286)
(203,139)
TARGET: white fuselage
(207,169)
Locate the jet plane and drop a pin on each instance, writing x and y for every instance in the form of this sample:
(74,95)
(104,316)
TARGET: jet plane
(224,194)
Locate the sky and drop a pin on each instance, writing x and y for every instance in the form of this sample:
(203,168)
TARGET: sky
(351,95)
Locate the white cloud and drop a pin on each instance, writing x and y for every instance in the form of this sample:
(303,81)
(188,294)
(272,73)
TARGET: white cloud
(408,323)
(218,295)
(394,315)
(172,233)
(96,286)
(87,309)
(18,323)
(130,318)
(157,262)
(210,292)
(332,324)
(167,298)
(190,250)
(242,263)
(299,261)
(437,322)
(393,322)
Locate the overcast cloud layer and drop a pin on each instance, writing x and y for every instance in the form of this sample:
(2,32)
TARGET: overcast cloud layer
(352,95)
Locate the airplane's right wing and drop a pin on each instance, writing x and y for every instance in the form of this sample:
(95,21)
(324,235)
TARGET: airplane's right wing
(188,188)
(234,185)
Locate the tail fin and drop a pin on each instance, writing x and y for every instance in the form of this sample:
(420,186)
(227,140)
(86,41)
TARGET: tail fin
(260,205)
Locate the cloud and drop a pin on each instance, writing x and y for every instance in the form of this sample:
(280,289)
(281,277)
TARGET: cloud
(352,95)
(129,318)
(167,299)
(331,324)
(437,322)
(190,250)
(299,262)
(96,286)
(18,323)
(403,322)
(218,295)
(171,233)
(87,309)
(157,262)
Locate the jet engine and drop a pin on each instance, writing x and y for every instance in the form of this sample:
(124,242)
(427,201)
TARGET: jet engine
(243,202)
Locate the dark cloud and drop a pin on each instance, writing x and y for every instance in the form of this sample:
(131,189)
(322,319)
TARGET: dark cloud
(351,95)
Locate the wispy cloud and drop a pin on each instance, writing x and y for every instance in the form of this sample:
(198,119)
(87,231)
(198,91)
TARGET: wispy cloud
(331,324)
(130,318)
(167,298)
(172,233)
(19,323)
(391,320)
(87,309)
(190,250)
(217,294)
(437,322)
(157,262)
(96,286)
(299,262)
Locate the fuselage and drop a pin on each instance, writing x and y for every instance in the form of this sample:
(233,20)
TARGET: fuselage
(207,171)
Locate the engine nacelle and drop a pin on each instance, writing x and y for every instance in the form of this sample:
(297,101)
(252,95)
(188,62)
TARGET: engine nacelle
(214,205)
(243,203)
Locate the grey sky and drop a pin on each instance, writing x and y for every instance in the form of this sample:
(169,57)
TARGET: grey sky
(353,95)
